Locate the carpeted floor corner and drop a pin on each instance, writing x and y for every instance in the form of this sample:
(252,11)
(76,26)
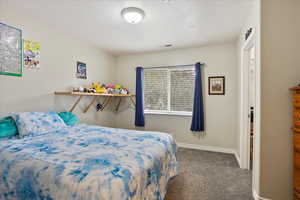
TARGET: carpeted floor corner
(209,176)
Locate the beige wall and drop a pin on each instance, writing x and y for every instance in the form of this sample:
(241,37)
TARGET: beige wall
(221,111)
(59,53)
(280,71)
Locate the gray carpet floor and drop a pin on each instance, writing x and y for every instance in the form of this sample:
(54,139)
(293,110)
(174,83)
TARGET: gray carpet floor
(207,175)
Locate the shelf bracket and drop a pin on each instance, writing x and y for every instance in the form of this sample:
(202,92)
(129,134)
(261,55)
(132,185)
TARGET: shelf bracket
(118,105)
(132,101)
(92,102)
(76,103)
(105,103)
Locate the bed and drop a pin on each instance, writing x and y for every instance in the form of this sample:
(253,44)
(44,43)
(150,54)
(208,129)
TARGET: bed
(87,162)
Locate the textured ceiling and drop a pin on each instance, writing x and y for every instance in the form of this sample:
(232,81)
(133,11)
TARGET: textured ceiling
(184,23)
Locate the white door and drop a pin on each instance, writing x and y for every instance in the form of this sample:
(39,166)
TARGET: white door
(248,101)
(251,106)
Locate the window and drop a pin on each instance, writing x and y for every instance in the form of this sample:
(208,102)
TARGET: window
(169,90)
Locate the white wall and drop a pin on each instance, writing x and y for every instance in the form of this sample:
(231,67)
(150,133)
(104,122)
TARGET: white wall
(34,91)
(221,111)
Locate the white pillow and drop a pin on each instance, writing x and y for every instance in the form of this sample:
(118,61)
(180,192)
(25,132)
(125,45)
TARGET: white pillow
(36,123)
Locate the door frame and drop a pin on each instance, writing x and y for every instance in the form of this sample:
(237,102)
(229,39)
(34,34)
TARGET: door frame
(245,135)
(253,40)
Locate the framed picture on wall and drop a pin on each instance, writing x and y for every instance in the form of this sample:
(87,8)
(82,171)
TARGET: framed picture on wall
(81,70)
(216,85)
(11,61)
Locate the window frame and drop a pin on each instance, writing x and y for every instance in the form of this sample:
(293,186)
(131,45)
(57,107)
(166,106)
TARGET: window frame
(169,112)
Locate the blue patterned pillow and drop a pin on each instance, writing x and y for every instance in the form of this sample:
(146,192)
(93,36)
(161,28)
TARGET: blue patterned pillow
(36,123)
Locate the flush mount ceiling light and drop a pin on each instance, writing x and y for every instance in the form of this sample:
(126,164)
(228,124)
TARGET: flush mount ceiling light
(168,45)
(133,15)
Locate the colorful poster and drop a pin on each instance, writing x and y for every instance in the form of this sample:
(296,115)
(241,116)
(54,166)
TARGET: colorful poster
(31,54)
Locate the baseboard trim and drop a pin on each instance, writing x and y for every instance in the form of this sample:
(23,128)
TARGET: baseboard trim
(257,197)
(206,148)
(237,157)
(210,148)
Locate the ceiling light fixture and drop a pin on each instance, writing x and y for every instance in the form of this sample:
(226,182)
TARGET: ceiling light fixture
(168,45)
(133,15)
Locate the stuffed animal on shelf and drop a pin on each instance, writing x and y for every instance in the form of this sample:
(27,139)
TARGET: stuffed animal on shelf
(110,89)
(110,86)
(97,88)
(106,89)
(99,106)
(81,89)
(124,91)
(118,86)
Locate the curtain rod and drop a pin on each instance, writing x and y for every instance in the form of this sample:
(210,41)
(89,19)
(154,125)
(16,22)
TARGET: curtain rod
(171,66)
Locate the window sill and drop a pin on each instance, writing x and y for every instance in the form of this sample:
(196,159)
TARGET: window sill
(178,113)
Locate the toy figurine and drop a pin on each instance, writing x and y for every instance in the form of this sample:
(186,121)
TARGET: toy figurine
(109,90)
(99,106)
(123,91)
(81,89)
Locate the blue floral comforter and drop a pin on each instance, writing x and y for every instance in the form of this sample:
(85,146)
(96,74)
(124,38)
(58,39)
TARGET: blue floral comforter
(87,163)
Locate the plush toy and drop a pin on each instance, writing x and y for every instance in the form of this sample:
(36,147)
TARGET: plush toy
(102,90)
(99,106)
(118,86)
(103,86)
(92,90)
(107,89)
(116,91)
(110,87)
(96,87)
(124,91)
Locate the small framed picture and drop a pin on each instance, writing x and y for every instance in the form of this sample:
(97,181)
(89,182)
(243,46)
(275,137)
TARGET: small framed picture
(216,85)
(81,70)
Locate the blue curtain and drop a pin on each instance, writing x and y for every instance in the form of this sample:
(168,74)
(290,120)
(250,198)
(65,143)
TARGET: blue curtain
(139,98)
(198,111)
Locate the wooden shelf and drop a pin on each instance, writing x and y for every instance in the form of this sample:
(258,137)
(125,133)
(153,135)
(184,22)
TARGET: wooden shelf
(107,99)
(93,94)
